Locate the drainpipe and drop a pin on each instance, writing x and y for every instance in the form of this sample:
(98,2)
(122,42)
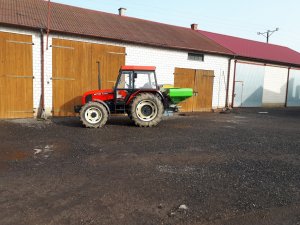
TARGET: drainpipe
(287,87)
(228,80)
(48,22)
(42,105)
(233,89)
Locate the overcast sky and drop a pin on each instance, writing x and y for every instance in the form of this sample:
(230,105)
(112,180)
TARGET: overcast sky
(232,17)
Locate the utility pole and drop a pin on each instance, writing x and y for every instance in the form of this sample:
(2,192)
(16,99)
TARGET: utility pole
(268,33)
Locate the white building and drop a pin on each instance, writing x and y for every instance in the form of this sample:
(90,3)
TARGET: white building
(46,65)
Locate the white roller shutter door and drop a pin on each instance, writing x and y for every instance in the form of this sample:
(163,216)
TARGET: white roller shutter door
(293,99)
(275,83)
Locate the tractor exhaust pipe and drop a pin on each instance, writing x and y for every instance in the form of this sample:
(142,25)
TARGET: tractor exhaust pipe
(99,76)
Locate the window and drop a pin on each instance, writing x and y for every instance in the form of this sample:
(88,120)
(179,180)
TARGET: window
(144,80)
(125,81)
(196,57)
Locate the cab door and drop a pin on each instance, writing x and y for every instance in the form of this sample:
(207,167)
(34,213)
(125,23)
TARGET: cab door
(123,90)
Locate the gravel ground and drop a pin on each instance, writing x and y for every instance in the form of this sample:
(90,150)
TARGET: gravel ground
(236,168)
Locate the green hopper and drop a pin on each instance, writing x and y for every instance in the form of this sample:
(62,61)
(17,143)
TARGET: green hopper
(177,95)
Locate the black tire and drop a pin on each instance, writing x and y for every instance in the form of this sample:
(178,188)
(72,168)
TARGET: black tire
(93,115)
(146,110)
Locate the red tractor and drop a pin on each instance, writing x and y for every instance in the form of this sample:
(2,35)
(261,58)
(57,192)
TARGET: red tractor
(136,93)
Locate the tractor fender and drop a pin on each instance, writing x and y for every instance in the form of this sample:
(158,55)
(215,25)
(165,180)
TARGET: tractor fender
(145,91)
(103,103)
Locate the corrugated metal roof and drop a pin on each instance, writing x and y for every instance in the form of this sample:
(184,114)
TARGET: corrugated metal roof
(254,49)
(74,20)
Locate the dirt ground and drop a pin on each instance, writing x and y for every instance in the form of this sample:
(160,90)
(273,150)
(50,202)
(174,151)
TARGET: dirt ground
(241,168)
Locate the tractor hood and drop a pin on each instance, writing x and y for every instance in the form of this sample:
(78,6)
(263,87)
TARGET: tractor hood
(102,95)
(100,92)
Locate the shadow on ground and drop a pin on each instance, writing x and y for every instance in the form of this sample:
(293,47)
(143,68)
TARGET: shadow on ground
(75,121)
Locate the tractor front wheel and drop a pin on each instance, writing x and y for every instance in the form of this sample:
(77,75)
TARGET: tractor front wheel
(146,110)
(93,115)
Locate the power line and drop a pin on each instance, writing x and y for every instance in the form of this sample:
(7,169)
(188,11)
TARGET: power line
(268,33)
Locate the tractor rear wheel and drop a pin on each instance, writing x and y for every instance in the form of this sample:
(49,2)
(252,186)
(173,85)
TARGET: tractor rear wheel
(93,115)
(146,110)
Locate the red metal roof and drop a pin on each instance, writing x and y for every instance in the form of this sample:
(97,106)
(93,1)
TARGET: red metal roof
(143,68)
(254,49)
(74,20)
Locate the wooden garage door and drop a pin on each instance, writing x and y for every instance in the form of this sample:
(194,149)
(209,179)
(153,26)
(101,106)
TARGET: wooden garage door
(202,83)
(111,58)
(75,71)
(185,78)
(16,76)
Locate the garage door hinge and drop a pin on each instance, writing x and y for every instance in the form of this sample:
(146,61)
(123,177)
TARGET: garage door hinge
(59,46)
(18,76)
(208,75)
(21,111)
(62,78)
(20,42)
(117,53)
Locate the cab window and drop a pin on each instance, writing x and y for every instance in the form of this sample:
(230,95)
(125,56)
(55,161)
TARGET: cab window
(144,80)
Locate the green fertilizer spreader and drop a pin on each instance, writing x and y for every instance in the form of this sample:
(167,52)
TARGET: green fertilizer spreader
(176,95)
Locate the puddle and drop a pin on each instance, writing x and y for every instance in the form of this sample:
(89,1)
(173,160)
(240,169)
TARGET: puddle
(57,149)
(37,153)
(13,155)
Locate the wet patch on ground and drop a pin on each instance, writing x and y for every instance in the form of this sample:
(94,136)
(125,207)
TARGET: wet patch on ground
(7,157)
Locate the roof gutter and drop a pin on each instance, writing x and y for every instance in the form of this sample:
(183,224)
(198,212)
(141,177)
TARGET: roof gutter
(48,23)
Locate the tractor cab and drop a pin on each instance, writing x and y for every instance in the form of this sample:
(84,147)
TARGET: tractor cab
(133,79)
